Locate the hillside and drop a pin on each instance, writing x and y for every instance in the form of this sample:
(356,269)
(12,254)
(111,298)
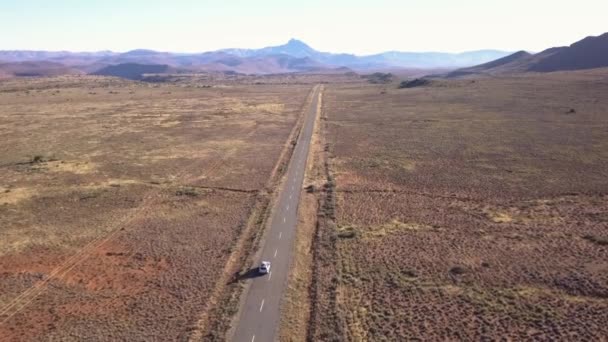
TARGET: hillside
(35,69)
(589,53)
(271,64)
(132,71)
(512,63)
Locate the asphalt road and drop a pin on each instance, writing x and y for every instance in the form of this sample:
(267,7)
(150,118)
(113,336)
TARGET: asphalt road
(260,317)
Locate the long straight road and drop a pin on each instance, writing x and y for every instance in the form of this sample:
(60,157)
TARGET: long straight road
(260,316)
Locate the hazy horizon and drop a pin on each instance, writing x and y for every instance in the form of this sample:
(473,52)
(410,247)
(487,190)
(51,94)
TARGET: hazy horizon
(356,27)
(255,47)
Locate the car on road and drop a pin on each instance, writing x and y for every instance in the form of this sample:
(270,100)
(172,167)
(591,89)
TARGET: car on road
(264,267)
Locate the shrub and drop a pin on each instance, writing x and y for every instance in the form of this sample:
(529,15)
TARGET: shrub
(347,233)
(457,270)
(379,78)
(410,273)
(187,192)
(602,241)
(418,82)
(37,159)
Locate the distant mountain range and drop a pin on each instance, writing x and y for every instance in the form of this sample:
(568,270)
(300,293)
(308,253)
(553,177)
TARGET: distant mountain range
(391,59)
(589,53)
(294,56)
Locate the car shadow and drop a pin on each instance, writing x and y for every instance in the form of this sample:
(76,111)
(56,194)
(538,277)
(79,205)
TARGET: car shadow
(249,274)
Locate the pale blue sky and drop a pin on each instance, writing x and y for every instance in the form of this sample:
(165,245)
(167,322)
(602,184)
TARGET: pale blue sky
(354,26)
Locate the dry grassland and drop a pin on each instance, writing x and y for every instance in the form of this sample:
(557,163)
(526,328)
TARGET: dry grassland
(120,202)
(467,210)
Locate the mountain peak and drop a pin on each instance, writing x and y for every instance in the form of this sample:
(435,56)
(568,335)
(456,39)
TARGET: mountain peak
(296,42)
(293,47)
(139,52)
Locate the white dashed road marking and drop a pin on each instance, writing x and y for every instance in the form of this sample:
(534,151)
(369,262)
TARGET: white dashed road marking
(275,252)
(262,306)
(280,234)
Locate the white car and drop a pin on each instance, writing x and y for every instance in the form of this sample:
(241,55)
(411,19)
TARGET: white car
(264,267)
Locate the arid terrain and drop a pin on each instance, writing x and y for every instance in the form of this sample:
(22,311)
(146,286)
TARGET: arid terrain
(303,171)
(458,209)
(464,210)
(121,202)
